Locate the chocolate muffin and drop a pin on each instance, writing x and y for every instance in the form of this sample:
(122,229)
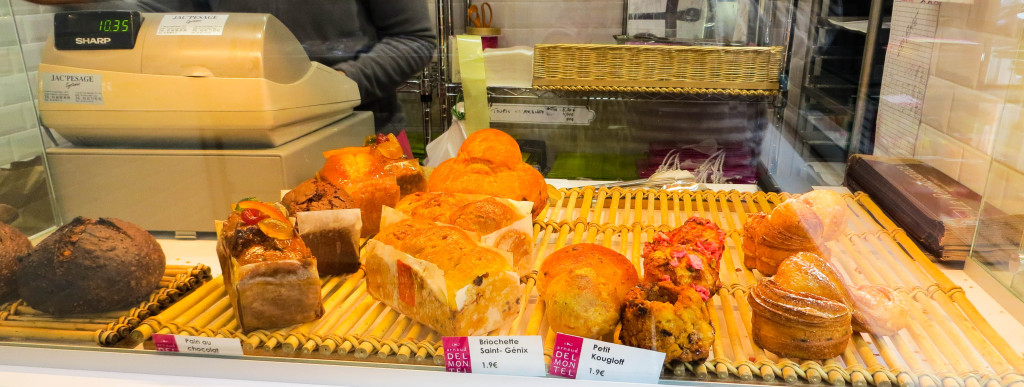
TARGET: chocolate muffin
(316,195)
(13,244)
(91,266)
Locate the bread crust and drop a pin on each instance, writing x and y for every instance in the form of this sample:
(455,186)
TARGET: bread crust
(90,266)
(584,287)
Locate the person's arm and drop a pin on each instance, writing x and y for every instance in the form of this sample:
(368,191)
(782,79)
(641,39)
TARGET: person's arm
(405,48)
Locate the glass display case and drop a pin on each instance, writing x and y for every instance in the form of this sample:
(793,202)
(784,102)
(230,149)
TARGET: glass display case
(649,187)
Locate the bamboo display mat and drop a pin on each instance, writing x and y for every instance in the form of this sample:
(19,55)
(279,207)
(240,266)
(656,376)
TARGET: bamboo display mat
(21,322)
(947,343)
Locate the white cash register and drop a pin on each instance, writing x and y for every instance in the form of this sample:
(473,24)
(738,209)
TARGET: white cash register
(173,117)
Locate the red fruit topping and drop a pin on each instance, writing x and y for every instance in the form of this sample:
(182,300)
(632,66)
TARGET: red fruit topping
(665,277)
(661,237)
(695,262)
(253,216)
(704,293)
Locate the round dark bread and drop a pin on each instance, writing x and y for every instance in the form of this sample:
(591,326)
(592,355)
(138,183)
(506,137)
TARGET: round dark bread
(91,266)
(13,244)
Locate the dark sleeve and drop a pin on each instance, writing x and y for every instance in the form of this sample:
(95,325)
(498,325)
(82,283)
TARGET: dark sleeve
(405,48)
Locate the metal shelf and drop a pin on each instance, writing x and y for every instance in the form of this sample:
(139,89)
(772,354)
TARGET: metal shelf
(513,92)
(816,95)
(410,86)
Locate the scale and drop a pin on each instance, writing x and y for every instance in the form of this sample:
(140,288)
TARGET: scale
(171,118)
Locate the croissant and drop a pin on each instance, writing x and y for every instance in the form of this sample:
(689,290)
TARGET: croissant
(877,310)
(804,311)
(802,223)
(797,324)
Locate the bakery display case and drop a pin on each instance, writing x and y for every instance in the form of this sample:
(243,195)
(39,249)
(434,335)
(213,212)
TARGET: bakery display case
(365,267)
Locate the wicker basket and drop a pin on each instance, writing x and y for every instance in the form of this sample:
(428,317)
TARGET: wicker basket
(670,69)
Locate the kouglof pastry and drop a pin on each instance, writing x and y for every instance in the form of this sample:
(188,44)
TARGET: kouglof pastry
(584,288)
(91,266)
(670,319)
(669,311)
(688,256)
(490,163)
(803,223)
(269,273)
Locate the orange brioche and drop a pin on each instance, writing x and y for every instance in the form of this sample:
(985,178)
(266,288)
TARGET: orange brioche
(501,223)
(584,287)
(490,163)
(803,223)
(440,276)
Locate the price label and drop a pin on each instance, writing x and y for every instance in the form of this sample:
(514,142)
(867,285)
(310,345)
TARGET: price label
(542,114)
(199,345)
(495,355)
(575,357)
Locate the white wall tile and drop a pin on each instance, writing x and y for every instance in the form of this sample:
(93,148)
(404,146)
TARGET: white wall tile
(6,153)
(974,169)
(33,53)
(1012,199)
(34,28)
(13,89)
(939,150)
(996,186)
(12,118)
(26,144)
(973,118)
(938,100)
(960,55)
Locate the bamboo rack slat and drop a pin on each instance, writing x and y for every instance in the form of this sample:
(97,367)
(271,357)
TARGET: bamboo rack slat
(18,321)
(948,342)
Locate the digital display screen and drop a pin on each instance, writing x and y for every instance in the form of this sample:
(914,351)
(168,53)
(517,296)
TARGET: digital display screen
(96,30)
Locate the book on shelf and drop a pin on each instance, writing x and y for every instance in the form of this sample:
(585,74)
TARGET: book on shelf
(938,212)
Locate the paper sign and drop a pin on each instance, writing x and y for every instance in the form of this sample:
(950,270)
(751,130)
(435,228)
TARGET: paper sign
(495,355)
(542,114)
(72,88)
(575,357)
(199,345)
(192,24)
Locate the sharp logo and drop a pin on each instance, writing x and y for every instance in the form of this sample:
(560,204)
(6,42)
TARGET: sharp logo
(92,41)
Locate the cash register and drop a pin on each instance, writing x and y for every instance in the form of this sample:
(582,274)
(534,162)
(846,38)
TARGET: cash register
(170,118)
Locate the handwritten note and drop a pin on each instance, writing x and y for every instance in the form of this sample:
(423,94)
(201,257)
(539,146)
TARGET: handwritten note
(542,114)
(494,355)
(905,76)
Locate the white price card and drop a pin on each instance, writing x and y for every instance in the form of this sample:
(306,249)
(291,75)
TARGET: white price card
(575,357)
(541,114)
(495,355)
(192,24)
(198,345)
